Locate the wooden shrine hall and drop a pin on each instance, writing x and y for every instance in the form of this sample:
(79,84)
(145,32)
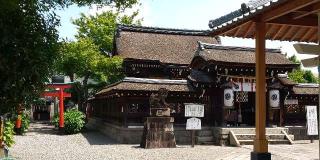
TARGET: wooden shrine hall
(194,68)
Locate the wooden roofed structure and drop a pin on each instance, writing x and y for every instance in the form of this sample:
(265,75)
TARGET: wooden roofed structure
(126,103)
(152,52)
(286,20)
(289,20)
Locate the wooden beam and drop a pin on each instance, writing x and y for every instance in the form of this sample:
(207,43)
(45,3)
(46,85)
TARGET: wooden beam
(314,33)
(301,30)
(287,33)
(248,29)
(286,8)
(313,38)
(237,32)
(310,10)
(310,31)
(283,27)
(288,20)
(260,142)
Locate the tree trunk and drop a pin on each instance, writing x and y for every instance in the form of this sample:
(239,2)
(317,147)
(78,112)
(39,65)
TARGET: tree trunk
(71,77)
(85,90)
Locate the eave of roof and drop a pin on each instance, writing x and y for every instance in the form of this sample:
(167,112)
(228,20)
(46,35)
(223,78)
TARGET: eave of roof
(286,20)
(218,54)
(144,29)
(146,84)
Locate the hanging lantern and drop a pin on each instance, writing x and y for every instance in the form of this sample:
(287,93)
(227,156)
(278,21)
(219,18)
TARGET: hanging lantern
(228,97)
(274,98)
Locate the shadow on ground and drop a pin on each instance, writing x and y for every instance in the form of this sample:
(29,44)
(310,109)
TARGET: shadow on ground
(97,138)
(42,127)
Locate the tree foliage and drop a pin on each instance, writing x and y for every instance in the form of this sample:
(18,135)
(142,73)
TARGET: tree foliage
(299,75)
(28,45)
(87,58)
(101,27)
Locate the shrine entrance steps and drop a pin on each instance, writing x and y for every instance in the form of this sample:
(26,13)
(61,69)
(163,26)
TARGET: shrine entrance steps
(205,137)
(246,136)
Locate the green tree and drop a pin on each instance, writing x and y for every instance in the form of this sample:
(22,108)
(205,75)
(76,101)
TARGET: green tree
(309,77)
(28,45)
(299,75)
(88,58)
(83,61)
(101,27)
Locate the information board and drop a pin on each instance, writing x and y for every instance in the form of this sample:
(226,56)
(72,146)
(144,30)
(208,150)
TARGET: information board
(194,110)
(312,123)
(193,124)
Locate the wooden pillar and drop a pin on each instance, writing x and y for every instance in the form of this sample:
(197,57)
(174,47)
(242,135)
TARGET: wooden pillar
(260,142)
(61,107)
(281,114)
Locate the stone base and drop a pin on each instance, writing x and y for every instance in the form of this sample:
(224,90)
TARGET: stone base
(158,133)
(61,131)
(260,156)
(18,131)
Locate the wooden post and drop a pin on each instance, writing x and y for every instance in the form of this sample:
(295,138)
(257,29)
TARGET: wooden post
(260,150)
(192,138)
(319,83)
(61,108)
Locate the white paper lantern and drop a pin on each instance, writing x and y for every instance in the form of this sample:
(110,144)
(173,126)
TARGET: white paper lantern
(228,97)
(274,98)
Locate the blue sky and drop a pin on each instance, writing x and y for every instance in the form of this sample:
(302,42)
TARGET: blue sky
(186,14)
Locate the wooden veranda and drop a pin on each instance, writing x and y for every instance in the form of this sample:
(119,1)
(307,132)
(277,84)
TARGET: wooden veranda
(284,20)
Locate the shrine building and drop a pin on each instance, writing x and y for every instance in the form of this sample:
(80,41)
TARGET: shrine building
(196,68)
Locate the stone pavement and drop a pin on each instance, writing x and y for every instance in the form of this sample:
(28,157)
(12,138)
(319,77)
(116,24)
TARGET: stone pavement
(42,142)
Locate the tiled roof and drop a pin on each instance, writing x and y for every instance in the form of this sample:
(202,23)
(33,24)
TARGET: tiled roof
(246,11)
(306,89)
(244,55)
(169,46)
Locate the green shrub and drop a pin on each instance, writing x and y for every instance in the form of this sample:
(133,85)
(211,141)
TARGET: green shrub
(25,121)
(74,121)
(8,133)
(55,120)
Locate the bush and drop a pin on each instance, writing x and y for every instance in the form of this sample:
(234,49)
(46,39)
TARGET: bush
(55,120)
(8,133)
(74,121)
(25,121)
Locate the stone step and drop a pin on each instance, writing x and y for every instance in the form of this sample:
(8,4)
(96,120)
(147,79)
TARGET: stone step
(252,136)
(278,141)
(204,139)
(207,143)
(205,133)
(252,130)
(273,141)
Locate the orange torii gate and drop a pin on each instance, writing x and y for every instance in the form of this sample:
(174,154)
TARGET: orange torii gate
(61,94)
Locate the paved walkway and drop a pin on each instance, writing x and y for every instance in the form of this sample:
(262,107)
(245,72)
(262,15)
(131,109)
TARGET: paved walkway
(43,143)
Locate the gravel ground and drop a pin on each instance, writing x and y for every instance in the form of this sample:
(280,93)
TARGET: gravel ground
(43,143)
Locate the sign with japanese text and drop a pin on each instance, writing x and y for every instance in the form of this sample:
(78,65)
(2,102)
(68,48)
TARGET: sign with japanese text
(312,122)
(193,124)
(194,110)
